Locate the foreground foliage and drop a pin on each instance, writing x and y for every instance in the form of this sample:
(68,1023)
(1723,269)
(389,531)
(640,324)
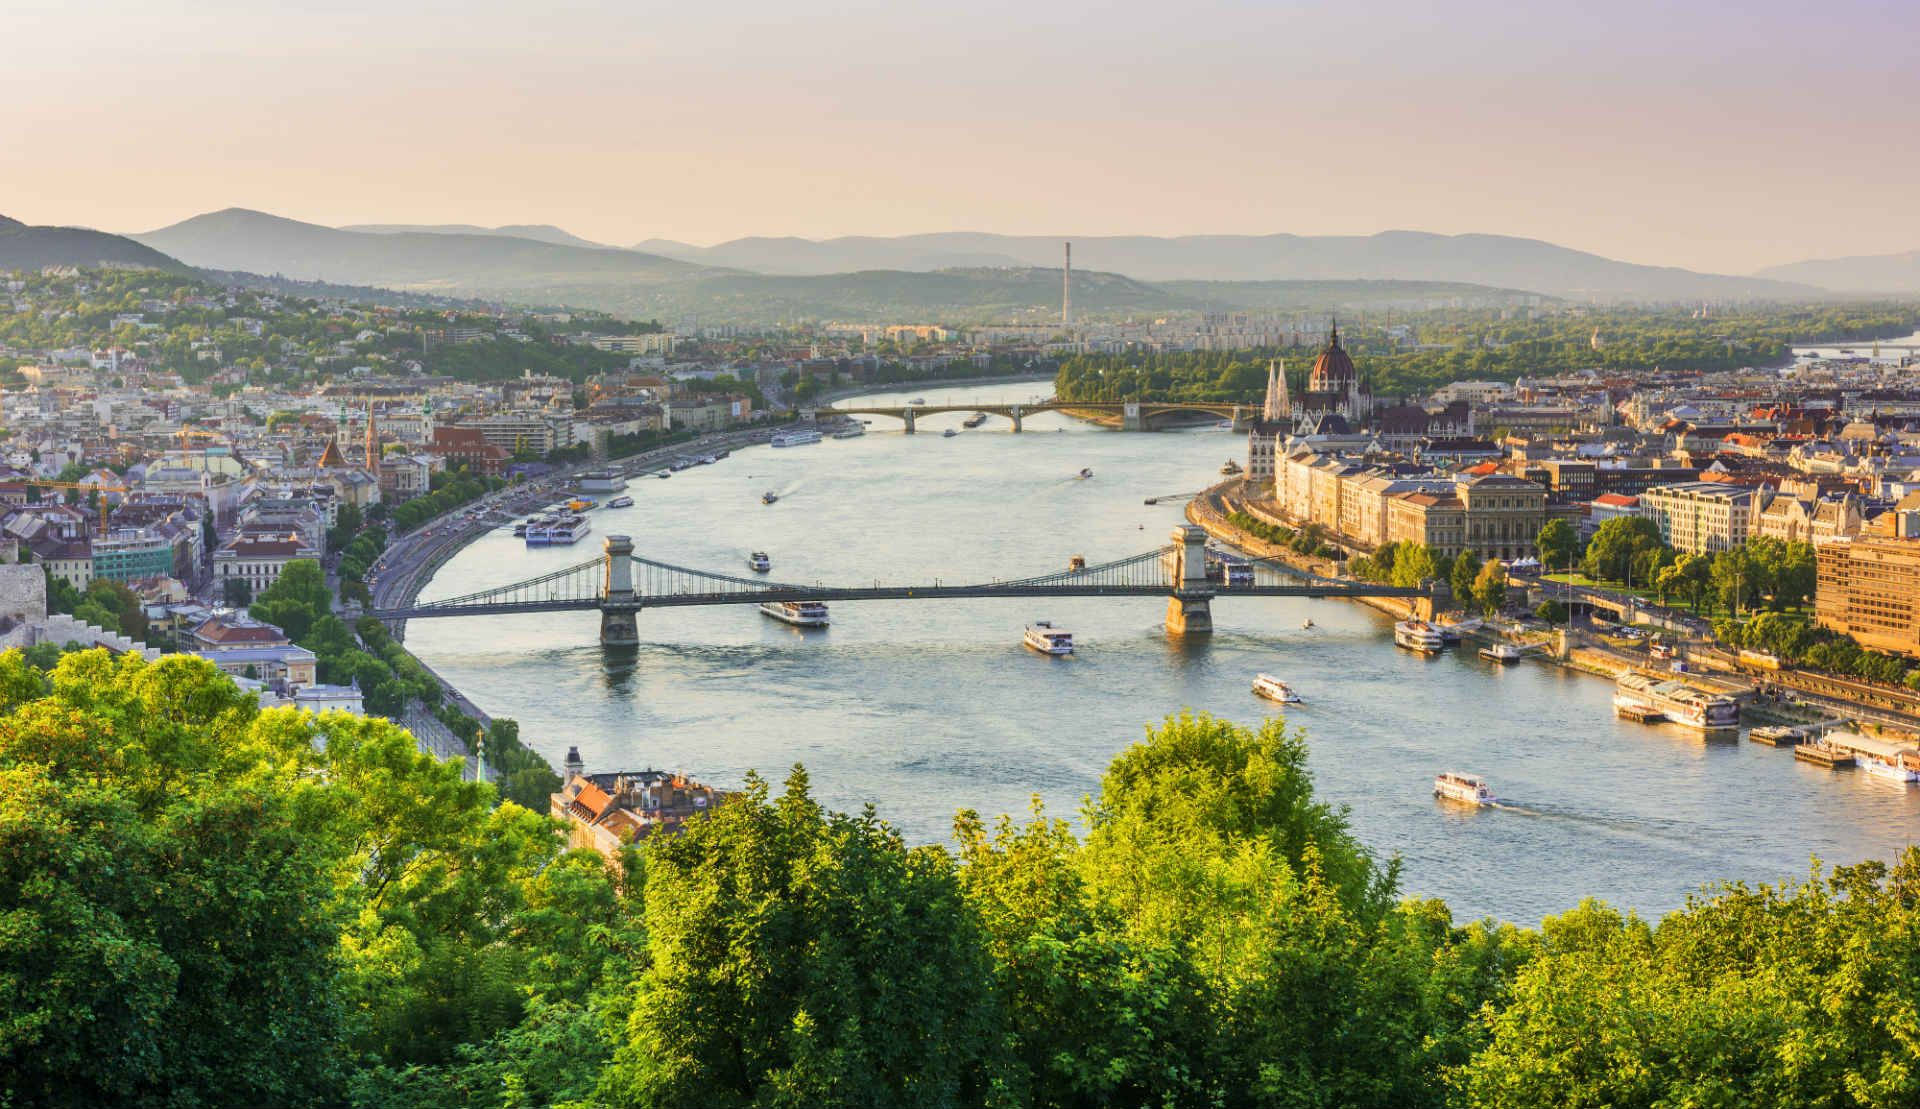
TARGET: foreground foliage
(206,904)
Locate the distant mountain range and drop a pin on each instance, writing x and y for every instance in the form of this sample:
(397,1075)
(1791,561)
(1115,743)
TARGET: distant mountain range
(1862,273)
(484,263)
(954,277)
(1497,260)
(25,247)
(538,232)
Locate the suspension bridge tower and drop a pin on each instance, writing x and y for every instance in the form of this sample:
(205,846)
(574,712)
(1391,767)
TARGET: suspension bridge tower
(1190,609)
(619,606)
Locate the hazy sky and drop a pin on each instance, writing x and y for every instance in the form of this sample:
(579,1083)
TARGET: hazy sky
(1726,139)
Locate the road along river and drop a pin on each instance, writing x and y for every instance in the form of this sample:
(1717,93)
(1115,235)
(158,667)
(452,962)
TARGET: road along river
(926,707)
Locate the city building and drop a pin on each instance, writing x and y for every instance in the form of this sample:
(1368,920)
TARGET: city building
(607,812)
(1870,589)
(1701,517)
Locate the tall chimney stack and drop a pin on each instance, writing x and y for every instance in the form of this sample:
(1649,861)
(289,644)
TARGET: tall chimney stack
(1066,291)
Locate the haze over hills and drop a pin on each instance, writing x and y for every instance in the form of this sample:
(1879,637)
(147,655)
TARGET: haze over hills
(487,263)
(1498,260)
(26,247)
(538,232)
(1862,273)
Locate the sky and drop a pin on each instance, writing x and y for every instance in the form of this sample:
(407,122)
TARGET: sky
(1714,136)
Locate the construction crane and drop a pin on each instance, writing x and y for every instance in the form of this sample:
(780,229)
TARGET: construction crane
(105,510)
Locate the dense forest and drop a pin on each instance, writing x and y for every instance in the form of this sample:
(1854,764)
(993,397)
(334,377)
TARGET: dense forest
(1440,347)
(205,904)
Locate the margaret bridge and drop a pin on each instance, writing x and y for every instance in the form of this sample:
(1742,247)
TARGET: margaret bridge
(620,584)
(1134,415)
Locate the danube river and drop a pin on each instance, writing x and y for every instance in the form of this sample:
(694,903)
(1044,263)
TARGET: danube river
(922,708)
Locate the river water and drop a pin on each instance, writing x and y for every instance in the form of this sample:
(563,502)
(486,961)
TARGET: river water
(922,708)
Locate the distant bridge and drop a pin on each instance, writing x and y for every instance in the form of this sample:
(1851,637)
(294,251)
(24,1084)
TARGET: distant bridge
(619,585)
(1134,415)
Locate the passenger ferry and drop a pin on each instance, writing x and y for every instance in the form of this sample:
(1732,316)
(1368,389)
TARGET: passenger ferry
(759,563)
(620,502)
(1502,652)
(1231,570)
(1649,697)
(851,431)
(1042,636)
(1469,789)
(798,437)
(561,530)
(974,420)
(1231,468)
(801,614)
(1418,635)
(1273,689)
(520,529)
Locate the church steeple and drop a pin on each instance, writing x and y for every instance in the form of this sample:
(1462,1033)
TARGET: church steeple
(1278,406)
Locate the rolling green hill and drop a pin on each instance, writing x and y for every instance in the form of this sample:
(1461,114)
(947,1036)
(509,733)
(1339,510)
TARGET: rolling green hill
(26,247)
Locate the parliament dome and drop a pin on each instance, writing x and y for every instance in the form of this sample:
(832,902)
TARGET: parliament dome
(1333,371)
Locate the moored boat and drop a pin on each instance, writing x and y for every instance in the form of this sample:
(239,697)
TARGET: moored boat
(562,529)
(1231,468)
(1042,636)
(1418,635)
(797,437)
(1273,689)
(1502,652)
(620,502)
(801,614)
(1469,789)
(1882,758)
(1647,697)
(850,431)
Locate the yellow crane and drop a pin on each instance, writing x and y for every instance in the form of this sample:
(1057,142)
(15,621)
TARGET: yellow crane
(105,510)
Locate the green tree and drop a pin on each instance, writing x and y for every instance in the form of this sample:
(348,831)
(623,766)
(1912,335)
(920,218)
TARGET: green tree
(1466,569)
(1490,587)
(1615,544)
(1414,566)
(805,958)
(1556,544)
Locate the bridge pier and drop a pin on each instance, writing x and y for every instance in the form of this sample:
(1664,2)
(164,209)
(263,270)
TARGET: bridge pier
(1190,609)
(1130,419)
(809,415)
(908,416)
(619,608)
(1016,414)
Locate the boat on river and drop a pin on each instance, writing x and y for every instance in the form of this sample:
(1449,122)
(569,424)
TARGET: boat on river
(1650,697)
(1418,635)
(801,614)
(974,420)
(1881,758)
(562,529)
(798,437)
(1273,689)
(769,497)
(1502,652)
(1085,473)
(948,434)
(1468,789)
(620,502)
(1042,636)
(853,430)
(759,563)
(1231,468)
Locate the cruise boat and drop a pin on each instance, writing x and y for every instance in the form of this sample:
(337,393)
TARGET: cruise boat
(759,563)
(974,420)
(560,530)
(1273,689)
(680,464)
(1042,636)
(520,529)
(1228,569)
(1230,469)
(801,614)
(769,497)
(1649,697)
(1502,652)
(620,502)
(1418,635)
(851,431)
(918,400)
(797,437)
(1470,789)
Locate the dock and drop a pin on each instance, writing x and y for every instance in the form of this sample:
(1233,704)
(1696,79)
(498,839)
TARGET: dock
(1639,714)
(1820,754)
(1777,736)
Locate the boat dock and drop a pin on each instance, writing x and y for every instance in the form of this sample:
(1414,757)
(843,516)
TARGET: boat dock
(1639,714)
(1777,736)
(1822,754)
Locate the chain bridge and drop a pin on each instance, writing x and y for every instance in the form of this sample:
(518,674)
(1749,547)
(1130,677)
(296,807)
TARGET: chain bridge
(619,584)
